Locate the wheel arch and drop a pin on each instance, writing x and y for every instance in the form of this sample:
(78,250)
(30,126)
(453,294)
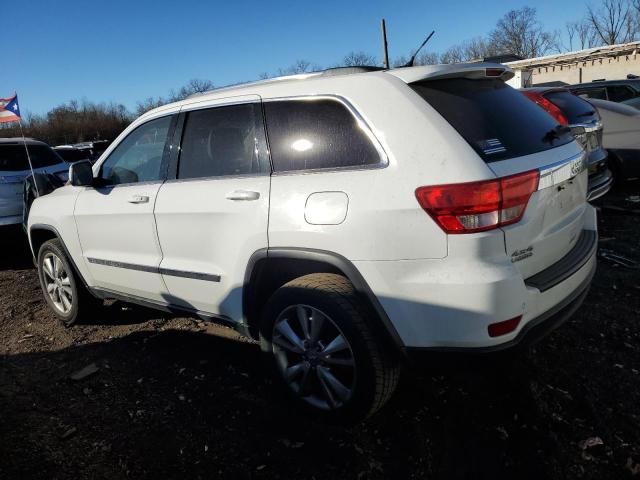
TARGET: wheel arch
(41,233)
(269,269)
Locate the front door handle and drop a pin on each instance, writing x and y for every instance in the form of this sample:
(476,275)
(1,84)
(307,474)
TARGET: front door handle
(243,195)
(139,199)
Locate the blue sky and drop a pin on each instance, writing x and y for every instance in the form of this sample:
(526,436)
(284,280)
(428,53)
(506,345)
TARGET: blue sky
(125,51)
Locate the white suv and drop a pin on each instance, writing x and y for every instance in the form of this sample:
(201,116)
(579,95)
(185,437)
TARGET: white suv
(347,220)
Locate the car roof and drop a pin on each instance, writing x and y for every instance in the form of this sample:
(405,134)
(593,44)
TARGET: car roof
(20,140)
(599,83)
(307,84)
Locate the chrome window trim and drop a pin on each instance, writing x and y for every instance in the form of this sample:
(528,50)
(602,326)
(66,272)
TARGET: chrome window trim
(193,107)
(362,123)
(558,172)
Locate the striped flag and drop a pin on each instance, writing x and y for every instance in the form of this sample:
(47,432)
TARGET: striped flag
(9,109)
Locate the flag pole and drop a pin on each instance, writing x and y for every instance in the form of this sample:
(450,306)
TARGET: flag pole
(24,140)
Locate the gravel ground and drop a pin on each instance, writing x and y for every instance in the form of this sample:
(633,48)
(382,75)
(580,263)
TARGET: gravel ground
(178,398)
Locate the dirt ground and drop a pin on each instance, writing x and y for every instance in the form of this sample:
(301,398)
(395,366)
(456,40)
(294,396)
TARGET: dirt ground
(178,398)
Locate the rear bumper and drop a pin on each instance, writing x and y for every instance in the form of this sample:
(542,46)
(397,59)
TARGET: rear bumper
(599,184)
(535,330)
(448,304)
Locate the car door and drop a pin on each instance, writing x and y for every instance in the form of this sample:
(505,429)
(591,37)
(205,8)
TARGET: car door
(115,221)
(212,216)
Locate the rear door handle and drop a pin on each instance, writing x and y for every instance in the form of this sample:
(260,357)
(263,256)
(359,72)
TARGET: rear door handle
(243,195)
(139,199)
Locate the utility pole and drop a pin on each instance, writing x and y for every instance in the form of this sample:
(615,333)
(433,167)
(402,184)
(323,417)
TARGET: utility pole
(385,46)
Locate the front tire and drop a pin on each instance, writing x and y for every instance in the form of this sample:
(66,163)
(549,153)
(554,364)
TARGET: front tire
(61,286)
(324,353)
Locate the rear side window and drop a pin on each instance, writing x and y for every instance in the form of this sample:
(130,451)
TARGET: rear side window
(576,109)
(497,121)
(619,93)
(316,134)
(223,141)
(592,93)
(13,157)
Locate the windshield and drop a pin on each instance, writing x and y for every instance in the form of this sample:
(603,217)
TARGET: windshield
(13,157)
(496,121)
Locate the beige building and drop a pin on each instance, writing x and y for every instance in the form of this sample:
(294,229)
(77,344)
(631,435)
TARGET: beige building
(610,62)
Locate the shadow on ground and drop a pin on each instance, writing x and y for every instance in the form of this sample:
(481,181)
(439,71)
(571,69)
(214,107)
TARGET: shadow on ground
(14,249)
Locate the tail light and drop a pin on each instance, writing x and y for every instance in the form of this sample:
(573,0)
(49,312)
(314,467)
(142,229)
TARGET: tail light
(479,206)
(551,109)
(502,328)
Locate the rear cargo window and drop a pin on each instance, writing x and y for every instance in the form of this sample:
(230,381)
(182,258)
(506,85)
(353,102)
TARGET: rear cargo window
(576,109)
(13,157)
(497,121)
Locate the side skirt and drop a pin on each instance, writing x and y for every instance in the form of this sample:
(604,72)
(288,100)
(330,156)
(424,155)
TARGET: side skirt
(105,294)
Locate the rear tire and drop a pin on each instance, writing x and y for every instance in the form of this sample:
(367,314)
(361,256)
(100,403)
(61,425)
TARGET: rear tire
(63,290)
(324,353)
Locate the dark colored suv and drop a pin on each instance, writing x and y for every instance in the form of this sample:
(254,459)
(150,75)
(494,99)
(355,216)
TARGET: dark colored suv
(585,124)
(612,90)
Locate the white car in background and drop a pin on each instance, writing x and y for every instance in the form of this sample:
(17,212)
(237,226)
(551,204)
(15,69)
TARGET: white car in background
(14,169)
(621,137)
(346,220)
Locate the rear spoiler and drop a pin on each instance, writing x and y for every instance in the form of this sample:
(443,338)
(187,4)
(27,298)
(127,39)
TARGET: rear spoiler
(479,70)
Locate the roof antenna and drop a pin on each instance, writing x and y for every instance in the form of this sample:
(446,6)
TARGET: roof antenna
(413,57)
(385,45)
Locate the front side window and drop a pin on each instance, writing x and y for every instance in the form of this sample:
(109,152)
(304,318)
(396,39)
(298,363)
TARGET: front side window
(139,157)
(223,141)
(316,134)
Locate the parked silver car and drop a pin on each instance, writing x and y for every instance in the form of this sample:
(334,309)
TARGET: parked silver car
(14,168)
(621,138)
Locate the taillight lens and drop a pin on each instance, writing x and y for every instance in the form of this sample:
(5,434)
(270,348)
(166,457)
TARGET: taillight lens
(551,109)
(502,328)
(479,206)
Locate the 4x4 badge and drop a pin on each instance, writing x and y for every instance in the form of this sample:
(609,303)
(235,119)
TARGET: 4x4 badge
(522,254)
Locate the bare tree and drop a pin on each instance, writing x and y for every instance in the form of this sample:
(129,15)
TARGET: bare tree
(358,59)
(300,66)
(581,35)
(454,54)
(612,22)
(194,85)
(427,58)
(519,32)
(478,48)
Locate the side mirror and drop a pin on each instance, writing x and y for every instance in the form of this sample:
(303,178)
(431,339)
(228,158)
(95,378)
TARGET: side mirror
(81,174)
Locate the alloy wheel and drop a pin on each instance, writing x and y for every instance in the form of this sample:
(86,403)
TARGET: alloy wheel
(57,283)
(314,357)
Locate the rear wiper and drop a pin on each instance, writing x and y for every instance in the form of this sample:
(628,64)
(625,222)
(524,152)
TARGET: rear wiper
(586,114)
(555,133)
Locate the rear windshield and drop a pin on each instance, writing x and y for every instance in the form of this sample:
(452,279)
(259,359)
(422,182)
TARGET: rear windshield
(497,121)
(576,109)
(13,157)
